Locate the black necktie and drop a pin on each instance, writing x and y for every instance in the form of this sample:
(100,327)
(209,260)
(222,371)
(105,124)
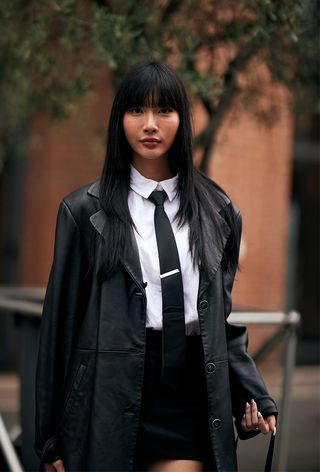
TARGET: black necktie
(173,330)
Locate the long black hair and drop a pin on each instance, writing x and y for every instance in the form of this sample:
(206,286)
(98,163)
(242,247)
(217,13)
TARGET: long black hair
(153,83)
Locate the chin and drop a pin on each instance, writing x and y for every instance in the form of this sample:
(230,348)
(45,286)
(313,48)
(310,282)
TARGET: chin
(151,157)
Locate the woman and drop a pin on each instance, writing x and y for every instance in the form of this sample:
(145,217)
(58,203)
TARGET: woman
(138,368)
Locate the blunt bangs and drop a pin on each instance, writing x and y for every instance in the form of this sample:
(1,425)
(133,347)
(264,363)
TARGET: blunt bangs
(152,84)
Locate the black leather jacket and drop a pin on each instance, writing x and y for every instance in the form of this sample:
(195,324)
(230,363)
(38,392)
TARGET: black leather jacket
(91,353)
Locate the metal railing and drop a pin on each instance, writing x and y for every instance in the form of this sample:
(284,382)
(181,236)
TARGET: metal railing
(287,333)
(9,452)
(28,302)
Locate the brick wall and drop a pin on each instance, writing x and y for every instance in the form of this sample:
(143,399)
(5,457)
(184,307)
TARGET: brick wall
(62,156)
(253,164)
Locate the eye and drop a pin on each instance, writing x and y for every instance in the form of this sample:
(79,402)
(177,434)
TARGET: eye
(165,110)
(135,110)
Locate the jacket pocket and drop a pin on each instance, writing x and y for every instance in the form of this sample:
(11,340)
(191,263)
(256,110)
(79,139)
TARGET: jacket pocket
(74,390)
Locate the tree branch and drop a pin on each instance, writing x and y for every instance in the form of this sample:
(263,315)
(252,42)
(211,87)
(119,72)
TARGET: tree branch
(229,91)
(170,9)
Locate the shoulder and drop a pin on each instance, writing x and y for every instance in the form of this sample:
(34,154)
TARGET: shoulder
(214,200)
(83,202)
(209,192)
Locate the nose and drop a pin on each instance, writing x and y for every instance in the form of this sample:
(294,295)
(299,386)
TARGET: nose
(150,124)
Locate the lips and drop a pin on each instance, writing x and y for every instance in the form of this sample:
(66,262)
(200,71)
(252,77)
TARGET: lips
(150,143)
(150,140)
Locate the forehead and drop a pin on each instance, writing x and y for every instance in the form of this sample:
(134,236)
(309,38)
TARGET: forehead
(153,97)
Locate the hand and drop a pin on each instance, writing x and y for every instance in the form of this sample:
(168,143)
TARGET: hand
(55,466)
(253,420)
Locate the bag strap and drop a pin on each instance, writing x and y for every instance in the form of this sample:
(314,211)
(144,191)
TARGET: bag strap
(268,464)
(267,467)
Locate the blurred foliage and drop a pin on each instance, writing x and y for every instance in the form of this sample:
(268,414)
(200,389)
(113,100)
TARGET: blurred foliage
(51,50)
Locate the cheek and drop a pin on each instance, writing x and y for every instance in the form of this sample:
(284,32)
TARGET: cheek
(127,127)
(173,128)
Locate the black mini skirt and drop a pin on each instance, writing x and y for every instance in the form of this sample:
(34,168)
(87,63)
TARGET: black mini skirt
(173,423)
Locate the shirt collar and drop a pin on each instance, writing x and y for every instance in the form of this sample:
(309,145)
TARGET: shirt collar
(145,187)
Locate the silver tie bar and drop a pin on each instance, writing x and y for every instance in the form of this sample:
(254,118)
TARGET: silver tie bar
(167,274)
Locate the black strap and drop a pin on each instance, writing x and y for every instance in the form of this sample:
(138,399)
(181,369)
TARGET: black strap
(268,464)
(173,329)
(267,467)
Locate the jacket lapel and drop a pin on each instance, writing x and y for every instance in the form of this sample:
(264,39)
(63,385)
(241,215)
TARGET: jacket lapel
(131,261)
(215,237)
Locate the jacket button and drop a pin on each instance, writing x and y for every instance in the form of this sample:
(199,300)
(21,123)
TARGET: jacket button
(216,423)
(210,367)
(203,305)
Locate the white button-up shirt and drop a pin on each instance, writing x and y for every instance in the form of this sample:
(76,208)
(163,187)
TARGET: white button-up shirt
(142,213)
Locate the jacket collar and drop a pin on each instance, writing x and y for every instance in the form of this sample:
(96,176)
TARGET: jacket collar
(131,262)
(211,233)
(94,189)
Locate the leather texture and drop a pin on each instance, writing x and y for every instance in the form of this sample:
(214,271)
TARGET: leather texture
(91,352)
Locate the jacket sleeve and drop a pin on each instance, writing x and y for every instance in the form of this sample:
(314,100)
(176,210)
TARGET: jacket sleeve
(59,325)
(245,380)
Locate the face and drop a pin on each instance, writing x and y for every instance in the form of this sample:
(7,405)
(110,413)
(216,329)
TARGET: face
(150,131)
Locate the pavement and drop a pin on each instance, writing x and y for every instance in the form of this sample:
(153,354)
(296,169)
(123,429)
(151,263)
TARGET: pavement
(304,421)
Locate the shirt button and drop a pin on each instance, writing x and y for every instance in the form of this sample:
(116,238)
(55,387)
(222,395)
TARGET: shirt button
(210,367)
(203,305)
(216,423)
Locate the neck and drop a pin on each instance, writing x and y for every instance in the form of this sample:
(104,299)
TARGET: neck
(154,169)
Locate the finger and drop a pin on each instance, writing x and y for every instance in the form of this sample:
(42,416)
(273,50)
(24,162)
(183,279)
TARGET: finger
(49,467)
(244,424)
(271,420)
(254,414)
(248,416)
(262,424)
(58,465)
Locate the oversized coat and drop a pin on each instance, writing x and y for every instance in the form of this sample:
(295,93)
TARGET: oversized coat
(91,353)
